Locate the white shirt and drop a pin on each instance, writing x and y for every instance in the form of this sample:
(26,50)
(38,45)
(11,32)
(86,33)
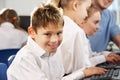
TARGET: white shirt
(11,37)
(75,48)
(33,63)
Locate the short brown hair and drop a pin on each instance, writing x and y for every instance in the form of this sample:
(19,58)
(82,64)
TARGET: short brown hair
(91,10)
(45,14)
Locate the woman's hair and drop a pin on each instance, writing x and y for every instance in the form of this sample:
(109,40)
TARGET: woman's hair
(45,14)
(11,16)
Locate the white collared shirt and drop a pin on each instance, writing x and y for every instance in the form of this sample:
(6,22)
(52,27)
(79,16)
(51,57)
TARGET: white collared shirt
(76,49)
(11,37)
(34,63)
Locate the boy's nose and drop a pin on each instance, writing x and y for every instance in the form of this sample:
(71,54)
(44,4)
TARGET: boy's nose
(97,27)
(54,38)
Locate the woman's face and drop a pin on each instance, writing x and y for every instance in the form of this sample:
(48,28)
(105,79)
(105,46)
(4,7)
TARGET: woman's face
(103,4)
(90,26)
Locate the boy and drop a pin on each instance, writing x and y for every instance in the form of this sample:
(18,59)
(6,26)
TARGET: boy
(75,54)
(75,43)
(108,31)
(37,60)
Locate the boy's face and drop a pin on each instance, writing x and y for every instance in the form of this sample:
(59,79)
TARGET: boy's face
(81,12)
(103,4)
(90,26)
(48,38)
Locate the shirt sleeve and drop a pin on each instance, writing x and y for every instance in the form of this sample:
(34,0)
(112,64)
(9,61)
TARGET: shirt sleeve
(75,75)
(37,74)
(98,58)
(115,29)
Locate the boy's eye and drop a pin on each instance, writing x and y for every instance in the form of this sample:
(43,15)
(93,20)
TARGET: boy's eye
(47,34)
(96,22)
(59,33)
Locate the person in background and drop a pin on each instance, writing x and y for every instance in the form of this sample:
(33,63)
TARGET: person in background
(90,24)
(12,36)
(74,46)
(108,30)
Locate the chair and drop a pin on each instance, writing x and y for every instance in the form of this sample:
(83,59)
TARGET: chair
(6,53)
(3,71)
(10,59)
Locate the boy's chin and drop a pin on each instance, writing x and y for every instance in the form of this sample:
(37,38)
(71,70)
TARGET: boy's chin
(52,51)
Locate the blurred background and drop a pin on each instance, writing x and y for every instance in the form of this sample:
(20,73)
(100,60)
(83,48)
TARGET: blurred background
(25,7)
(116,9)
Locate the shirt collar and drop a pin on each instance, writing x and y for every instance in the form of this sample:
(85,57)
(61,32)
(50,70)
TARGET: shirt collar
(36,48)
(69,21)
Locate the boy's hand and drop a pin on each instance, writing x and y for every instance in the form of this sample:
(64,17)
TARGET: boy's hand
(113,58)
(90,71)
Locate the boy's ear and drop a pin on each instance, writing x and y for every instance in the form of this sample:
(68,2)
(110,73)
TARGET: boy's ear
(31,32)
(75,4)
(82,24)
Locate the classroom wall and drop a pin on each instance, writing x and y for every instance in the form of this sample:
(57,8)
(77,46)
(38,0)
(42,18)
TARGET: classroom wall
(2,4)
(23,7)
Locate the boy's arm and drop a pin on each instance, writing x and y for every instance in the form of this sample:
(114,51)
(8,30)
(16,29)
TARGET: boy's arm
(116,40)
(75,75)
(84,73)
